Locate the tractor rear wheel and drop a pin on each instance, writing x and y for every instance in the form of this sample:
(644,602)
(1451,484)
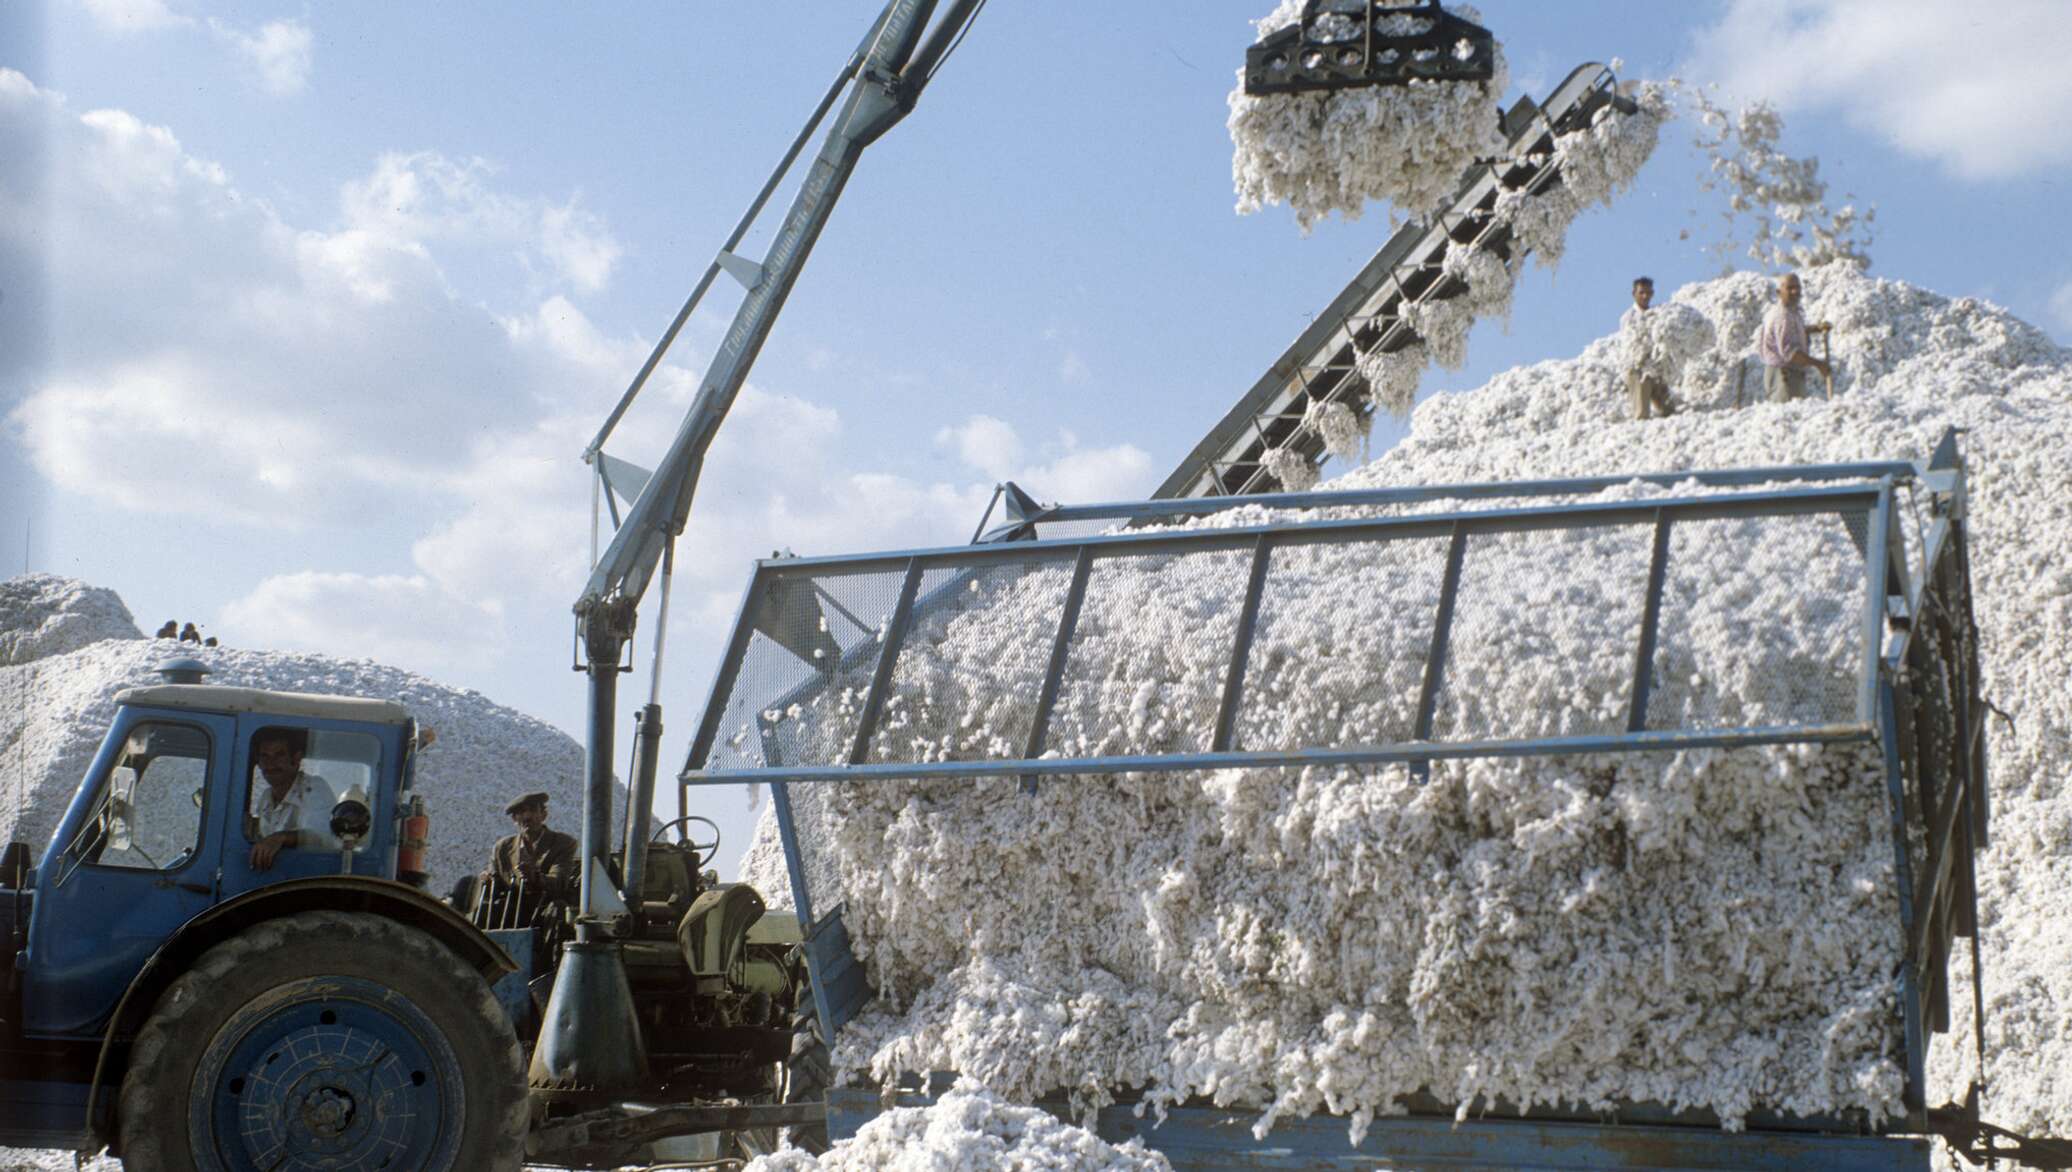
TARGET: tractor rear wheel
(325,1039)
(807,1077)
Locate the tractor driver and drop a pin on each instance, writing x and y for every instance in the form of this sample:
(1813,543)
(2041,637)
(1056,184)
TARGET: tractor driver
(293,808)
(540,859)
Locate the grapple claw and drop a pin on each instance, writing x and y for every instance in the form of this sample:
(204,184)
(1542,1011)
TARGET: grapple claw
(1347,44)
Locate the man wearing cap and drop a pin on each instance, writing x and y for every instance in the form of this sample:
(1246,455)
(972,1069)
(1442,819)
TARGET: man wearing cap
(543,860)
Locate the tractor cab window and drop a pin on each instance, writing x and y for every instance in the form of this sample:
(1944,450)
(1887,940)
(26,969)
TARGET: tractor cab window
(148,816)
(299,774)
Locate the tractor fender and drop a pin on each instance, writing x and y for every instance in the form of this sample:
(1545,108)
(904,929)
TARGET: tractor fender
(344,893)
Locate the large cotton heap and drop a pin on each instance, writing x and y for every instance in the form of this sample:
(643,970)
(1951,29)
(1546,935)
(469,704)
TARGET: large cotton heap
(969,1129)
(55,708)
(1704,929)
(1335,151)
(43,614)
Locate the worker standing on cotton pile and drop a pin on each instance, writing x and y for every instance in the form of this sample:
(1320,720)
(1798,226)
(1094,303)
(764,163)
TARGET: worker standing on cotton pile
(1644,385)
(1783,346)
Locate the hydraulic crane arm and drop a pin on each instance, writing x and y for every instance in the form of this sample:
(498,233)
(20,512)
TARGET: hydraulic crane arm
(883,79)
(590,1038)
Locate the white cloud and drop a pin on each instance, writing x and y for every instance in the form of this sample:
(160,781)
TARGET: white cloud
(133,16)
(574,243)
(358,615)
(210,360)
(426,197)
(246,367)
(278,54)
(2061,309)
(1085,475)
(1065,471)
(987,444)
(1968,86)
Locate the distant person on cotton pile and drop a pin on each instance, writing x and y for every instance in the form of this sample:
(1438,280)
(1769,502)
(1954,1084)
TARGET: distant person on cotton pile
(1644,386)
(189,634)
(293,808)
(543,860)
(171,630)
(1782,344)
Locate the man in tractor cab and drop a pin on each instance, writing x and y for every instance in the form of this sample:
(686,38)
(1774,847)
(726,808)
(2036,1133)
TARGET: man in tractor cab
(536,859)
(293,808)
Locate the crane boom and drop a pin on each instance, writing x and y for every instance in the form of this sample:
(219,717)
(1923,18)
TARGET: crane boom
(590,1039)
(885,78)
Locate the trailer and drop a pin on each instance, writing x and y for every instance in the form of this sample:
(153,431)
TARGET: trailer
(1904,680)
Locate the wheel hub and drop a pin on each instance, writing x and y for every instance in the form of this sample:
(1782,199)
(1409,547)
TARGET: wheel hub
(327,1111)
(343,1077)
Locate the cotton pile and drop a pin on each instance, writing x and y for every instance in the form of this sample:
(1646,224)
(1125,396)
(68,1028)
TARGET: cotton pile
(1703,929)
(43,614)
(969,1129)
(1334,151)
(55,708)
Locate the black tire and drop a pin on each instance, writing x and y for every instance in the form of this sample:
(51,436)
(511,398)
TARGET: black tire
(807,1076)
(335,1036)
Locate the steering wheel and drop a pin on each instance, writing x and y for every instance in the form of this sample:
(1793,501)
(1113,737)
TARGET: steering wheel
(704,850)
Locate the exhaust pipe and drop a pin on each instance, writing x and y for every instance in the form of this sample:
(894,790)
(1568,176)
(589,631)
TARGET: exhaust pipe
(640,800)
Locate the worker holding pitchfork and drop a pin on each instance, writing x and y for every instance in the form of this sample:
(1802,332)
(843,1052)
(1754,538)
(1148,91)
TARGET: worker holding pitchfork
(1784,345)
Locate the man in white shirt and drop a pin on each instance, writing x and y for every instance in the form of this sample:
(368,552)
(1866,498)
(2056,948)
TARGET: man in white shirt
(1782,344)
(1644,385)
(293,808)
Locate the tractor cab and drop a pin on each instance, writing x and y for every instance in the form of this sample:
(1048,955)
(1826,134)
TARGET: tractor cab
(174,817)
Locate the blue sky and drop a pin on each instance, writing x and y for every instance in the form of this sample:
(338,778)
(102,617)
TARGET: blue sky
(306,311)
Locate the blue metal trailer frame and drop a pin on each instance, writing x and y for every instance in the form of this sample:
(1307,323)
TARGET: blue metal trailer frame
(1914,685)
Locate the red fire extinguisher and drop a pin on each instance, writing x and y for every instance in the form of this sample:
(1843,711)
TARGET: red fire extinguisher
(417,831)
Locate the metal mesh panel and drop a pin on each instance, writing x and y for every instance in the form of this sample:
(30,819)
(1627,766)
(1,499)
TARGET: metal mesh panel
(814,644)
(1375,643)
(972,664)
(1762,623)
(1147,661)
(1568,636)
(1761,627)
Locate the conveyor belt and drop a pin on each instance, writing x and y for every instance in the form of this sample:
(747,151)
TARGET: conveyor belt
(1365,316)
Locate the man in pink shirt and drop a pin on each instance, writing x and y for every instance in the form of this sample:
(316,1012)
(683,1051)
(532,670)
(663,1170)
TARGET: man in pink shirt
(1782,345)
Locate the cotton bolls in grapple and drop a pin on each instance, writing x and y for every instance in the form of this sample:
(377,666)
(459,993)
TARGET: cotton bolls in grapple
(1334,151)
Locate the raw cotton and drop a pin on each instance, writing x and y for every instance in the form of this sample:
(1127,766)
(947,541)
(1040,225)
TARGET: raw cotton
(969,1129)
(1490,280)
(43,614)
(1443,323)
(1392,376)
(1780,199)
(54,710)
(1665,340)
(1334,151)
(1343,430)
(1598,163)
(1290,468)
(1705,929)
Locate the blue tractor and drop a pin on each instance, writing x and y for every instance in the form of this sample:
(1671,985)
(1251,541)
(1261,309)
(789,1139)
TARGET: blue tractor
(172,998)
(175,995)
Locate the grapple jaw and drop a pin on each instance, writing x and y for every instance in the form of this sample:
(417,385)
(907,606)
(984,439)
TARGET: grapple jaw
(1346,44)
